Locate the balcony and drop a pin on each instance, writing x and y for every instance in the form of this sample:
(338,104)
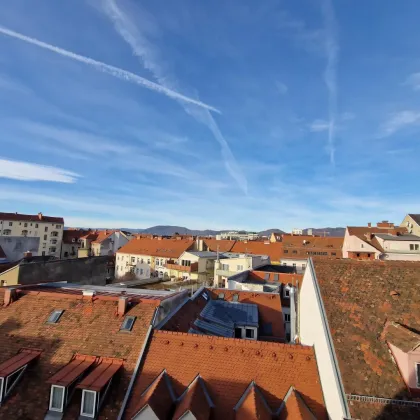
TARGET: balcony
(193,268)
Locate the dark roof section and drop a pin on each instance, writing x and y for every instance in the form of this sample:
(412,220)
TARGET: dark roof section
(31,218)
(401,337)
(16,362)
(276,268)
(415,217)
(69,373)
(359,298)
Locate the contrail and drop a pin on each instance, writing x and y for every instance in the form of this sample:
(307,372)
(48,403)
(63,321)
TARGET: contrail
(106,68)
(149,56)
(330,75)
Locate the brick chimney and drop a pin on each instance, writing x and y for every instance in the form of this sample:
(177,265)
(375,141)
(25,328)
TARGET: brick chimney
(369,224)
(122,305)
(40,216)
(385,224)
(9,296)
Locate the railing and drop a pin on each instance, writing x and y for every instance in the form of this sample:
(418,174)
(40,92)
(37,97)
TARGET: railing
(193,268)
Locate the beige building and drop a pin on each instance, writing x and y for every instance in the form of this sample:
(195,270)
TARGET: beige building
(48,229)
(412,223)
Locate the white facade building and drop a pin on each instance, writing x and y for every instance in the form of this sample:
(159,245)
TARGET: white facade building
(238,236)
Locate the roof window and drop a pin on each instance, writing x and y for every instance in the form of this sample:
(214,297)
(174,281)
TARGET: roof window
(55,316)
(128,323)
(235,297)
(221,296)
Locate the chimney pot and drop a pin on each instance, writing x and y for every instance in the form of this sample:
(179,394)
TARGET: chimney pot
(9,296)
(122,305)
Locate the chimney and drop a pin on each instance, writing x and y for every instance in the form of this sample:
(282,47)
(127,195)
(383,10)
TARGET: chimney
(122,305)
(40,216)
(27,255)
(9,296)
(369,224)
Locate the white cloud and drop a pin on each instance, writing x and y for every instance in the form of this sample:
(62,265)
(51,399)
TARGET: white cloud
(106,68)
(414,81)
(24,171)
(319,125)
(399,121)
(282,88)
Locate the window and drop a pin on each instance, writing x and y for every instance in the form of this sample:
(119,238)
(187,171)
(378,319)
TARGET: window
(8,383)
(357,255)
(25,225)
(128,323)
(54,316)
(361,246)
(333,254)
(44,245)
(141,261)
(238,332)
(276,277)
(418,374)
(284,263)
(239,268)
(133,260)
(54,233)
(46,229)
(303,266)
(286,251)
(286,292)
(36,225)
(368,255)
(148,261)
(235,297)
(411,247)
(294,265)
(221,296)
(267,276)
(10,223)
(88,403)
(58,226)
(7,232)
(294,252)
(249,333)
(286,317)
(57,398)
(141,271)
(45,237)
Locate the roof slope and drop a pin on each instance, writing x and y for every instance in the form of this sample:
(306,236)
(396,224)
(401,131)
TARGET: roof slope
(85,327)
(359,298)
(169,248)
(223,245)
(294,407)
(228,366)
(252,405)
(31,218)
(401,337)
(415,217)
(70,234)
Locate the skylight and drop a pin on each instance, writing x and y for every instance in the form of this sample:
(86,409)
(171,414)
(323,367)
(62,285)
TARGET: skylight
(54,316)
(128,323)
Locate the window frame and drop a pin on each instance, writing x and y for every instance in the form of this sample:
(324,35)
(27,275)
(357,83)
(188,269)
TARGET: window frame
(286,316)
(1,388)
(58,410)
(252,331)
(58,313)
(286,292)
(126,319)
(8,389)
(417,374)
(83,413)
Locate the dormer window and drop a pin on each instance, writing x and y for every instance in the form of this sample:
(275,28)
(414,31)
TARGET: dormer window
(88,403)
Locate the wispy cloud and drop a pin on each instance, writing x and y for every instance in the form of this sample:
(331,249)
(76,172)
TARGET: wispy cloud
(414,81)
(399,121)
(150,57)
(281,87)
(106,68)
(319,125)
(25,171)
(330,74)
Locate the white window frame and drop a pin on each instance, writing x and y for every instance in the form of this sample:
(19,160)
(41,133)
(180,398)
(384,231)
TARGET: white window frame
(59,410)
(1,388)
(6,389)
(286,292)
(82,413)
(417,374)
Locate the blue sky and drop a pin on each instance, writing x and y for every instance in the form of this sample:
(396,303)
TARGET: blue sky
(222,114)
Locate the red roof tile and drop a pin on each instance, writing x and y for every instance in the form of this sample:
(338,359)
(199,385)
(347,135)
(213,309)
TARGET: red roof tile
(227,366)
(252,405)
(69,373)
(223,245)
(195,400)
(170,248)
(21,359)
(102,235)
(158,396)
(31,218)
(359,298)
(101,375)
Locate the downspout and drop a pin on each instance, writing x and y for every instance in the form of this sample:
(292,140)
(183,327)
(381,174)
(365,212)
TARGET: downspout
(292,315)
(136,369)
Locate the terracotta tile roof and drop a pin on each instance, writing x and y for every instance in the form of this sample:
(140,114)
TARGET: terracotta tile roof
(359,298)
(170,248)
(70,372)
(227,366)
(273,249)
(31,218)
(76,234)
(361,231)
(85,327)
(294,407)
(195,400)
(252,405)
(102,235)
(223,244)
(159,396)
(401,337)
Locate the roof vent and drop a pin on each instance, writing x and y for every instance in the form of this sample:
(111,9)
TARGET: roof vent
(89,293)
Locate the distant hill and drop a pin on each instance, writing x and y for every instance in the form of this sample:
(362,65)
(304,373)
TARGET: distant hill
(268,232)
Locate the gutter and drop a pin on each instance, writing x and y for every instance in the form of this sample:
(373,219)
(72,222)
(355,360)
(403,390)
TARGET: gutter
(330,342)
(137,368)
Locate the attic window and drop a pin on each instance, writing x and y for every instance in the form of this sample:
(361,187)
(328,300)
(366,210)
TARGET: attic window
(128,323)
(221,296)
(235,297)
(57,398)
(88,403)
(55,316)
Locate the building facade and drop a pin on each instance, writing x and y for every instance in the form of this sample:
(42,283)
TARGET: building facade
(412,223)
(48,229)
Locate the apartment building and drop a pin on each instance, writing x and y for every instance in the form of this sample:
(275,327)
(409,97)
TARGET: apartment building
(72,242)
(238,236)
(154,253)
(48,229)
(108,242)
